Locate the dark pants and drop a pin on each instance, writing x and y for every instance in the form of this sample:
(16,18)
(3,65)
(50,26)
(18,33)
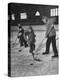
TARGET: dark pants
(53,41)
(23,42)
(32,47)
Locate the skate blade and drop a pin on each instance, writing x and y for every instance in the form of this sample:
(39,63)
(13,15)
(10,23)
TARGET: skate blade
(37,59)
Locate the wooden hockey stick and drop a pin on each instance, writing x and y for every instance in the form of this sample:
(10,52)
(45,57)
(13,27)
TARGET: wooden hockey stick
(40,45)
(13,44)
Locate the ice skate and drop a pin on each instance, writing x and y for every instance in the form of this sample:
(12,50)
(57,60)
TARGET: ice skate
(55,56)
(44,53)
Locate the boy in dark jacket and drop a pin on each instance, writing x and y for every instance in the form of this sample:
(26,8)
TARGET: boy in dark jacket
(31,40)
(51,36)
(21,36)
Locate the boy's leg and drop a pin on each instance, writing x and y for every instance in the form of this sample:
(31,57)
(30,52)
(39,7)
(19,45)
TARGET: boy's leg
(32,47)
(25,43)
(54,47)
(21,45)
(47,45)
(21,42)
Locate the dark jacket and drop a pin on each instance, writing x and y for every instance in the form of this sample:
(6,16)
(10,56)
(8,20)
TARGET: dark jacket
(21,33)
(31,39)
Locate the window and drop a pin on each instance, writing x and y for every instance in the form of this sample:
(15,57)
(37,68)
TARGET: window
(13,17)
(23,16)
(54,12)
(37,13)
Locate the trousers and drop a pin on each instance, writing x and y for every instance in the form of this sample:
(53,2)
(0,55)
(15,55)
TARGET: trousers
(53,41)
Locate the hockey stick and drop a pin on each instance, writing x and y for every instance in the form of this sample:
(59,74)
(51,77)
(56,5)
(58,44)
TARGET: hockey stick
(13,44)
(42,42)
(40,45)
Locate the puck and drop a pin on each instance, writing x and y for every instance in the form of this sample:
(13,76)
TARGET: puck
(20,50)
(31,64)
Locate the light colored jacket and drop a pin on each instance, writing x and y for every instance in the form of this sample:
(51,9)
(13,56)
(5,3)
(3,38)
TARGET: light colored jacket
(50,30)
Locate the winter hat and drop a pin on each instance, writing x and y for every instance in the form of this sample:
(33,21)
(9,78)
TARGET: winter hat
(19,25)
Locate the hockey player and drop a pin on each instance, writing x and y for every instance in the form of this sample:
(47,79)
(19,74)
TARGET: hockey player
(21,36)
(31,40)
(51,36)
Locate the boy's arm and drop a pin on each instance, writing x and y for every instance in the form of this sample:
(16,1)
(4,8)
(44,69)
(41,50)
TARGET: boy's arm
(19,34)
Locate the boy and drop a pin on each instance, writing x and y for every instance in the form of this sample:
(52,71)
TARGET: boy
(51,35)
(31,40)
(21,36)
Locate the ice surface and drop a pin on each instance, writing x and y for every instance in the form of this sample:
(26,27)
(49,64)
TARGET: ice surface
(20,61)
